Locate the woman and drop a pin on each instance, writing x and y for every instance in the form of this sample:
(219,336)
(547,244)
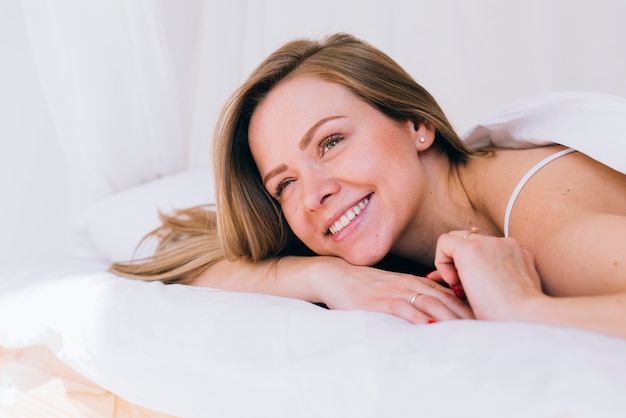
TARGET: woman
(334,141)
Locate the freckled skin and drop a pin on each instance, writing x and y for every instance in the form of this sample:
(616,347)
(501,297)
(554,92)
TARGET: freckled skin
(328,183)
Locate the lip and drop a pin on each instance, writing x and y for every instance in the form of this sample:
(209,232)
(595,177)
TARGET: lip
(341,213)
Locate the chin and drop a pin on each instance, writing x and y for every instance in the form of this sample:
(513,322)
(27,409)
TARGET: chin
(362,259)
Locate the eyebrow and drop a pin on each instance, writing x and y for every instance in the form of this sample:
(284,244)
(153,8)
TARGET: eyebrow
(274,172)
(304,142)
(308,136)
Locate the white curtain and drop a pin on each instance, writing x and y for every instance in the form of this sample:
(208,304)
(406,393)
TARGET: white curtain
(116,75)
(135,86)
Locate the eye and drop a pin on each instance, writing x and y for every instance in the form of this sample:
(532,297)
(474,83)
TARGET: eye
(328,142)
(281,186)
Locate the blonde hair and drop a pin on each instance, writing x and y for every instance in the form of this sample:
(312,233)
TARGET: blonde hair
(250,221)
(187,245)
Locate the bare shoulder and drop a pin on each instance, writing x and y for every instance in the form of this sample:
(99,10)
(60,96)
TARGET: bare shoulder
(571,215)
(569,185)
(500,172)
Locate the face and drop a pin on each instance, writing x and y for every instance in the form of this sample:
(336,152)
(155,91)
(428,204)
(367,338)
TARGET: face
(348,178)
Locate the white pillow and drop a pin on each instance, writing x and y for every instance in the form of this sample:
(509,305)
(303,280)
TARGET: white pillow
(198,352)
(110,229)
(592,123)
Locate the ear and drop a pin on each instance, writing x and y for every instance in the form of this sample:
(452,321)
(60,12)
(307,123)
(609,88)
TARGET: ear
(423,135)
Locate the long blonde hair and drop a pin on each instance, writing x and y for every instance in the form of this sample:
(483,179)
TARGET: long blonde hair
(250,221)
(187,245)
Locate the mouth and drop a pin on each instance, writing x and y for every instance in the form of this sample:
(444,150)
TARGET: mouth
(348,216)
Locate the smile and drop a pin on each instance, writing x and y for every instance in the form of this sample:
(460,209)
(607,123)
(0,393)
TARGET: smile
(348,217)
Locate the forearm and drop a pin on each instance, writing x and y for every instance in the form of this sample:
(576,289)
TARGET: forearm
(340,285)
(293,277)
(603,314)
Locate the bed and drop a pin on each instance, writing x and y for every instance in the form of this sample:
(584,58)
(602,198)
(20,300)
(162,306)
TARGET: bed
(189,351)
(78,341)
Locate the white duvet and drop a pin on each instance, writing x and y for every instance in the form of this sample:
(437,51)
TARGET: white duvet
(197,352)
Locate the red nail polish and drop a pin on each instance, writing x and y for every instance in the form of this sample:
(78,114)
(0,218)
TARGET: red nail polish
(458,291)
(431,321)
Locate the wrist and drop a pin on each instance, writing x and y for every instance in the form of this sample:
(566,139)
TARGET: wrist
(536,309)
(303,277)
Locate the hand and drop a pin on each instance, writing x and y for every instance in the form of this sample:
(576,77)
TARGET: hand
(345,286)
(497,275)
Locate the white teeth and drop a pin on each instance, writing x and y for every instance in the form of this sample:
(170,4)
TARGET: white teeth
(347,217)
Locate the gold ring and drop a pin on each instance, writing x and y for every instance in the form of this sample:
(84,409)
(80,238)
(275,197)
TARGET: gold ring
(473,230)
(414,297)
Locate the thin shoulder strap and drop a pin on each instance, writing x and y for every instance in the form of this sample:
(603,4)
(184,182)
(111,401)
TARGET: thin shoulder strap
(522,182)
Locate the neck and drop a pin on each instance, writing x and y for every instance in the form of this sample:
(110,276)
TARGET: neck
(451,202)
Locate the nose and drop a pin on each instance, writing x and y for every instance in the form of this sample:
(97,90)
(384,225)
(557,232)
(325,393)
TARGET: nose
(318,189)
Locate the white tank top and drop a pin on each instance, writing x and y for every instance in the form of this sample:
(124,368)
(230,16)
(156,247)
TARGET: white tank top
(522,182)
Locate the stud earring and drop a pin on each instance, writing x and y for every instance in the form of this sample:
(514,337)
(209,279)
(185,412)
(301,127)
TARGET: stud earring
(422,139)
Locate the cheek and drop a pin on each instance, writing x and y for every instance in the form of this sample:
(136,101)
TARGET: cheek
(299,223)
(294,217)
(367,168)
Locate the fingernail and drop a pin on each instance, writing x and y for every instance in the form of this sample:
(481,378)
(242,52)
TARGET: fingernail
(430,274)
(458,291)
(431,321)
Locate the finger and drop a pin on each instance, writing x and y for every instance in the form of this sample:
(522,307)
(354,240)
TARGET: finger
(403,309)
(447,245)
(438,285)
(454,298)
(434,308)
(465,234)
(435,276)
(456,289)
(441,306)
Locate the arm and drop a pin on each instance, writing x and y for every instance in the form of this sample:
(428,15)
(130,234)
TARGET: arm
(339,285)
(501,281)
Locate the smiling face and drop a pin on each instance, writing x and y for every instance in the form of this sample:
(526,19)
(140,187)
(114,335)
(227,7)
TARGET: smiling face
(348,178)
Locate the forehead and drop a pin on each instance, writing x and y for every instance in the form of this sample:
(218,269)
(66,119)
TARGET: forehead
(299,102)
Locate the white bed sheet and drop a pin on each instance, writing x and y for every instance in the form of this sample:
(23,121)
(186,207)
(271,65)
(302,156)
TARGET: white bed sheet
(197,352)
(200,352)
